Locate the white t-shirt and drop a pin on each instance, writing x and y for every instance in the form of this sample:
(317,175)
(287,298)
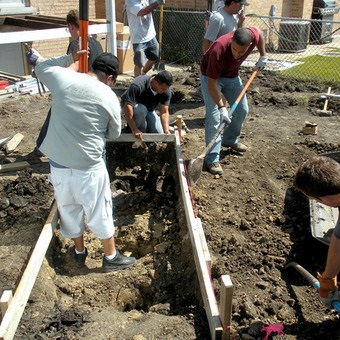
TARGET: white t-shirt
(220,23)
(142,28)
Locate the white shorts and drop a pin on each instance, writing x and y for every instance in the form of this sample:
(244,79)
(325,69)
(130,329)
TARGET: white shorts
(84,199)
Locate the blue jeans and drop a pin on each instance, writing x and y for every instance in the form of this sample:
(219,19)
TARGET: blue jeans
(147,121)
(230,88)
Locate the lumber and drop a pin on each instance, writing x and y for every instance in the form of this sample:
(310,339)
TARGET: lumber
(203,272)
(205,249)
(5,300)
(226,303)
(14,166)
(147,137)
(13,143)
(16,308)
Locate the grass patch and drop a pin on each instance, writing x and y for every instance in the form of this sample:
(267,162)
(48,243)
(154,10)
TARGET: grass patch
(316,68)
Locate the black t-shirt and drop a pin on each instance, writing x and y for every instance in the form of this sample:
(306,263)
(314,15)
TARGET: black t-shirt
(139,92)
(94,47)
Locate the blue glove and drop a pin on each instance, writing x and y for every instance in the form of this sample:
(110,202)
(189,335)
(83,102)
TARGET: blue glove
(261,63)
(331,300)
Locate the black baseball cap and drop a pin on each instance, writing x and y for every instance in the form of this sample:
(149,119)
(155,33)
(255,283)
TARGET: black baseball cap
(243,2)
(107,63)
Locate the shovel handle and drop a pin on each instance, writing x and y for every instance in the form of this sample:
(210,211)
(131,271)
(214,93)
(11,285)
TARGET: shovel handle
(245,88)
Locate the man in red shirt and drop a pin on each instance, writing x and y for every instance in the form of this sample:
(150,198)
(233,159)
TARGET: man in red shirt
(220,75)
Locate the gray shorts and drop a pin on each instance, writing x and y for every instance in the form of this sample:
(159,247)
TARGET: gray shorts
(143,51)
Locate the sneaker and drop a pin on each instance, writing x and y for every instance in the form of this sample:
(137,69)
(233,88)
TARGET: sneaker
(215,168)
(79,259)
(238,147)
(117,263)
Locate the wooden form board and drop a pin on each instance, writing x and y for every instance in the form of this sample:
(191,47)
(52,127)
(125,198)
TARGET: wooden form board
(200,250)
(202,265)
(147,137)
(11,319)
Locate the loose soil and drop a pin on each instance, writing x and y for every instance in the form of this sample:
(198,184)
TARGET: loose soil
(254,221)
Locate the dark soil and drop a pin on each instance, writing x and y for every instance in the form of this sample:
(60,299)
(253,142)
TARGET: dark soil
(254,221)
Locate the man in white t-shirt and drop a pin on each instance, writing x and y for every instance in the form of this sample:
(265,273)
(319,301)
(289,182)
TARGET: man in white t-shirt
(143,33)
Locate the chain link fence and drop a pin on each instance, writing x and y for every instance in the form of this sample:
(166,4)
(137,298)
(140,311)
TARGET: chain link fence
(303,48)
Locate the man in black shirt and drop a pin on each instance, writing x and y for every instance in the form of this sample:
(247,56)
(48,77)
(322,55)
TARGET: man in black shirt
(141,99)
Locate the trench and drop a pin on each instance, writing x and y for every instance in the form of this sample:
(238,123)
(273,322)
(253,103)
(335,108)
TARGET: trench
(151,226)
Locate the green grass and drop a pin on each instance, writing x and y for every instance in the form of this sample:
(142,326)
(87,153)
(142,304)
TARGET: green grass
(316,67)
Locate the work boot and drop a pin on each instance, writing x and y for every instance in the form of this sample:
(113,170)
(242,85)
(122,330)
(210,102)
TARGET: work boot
(215,168)
(79,259)
(238,147)
(118,262)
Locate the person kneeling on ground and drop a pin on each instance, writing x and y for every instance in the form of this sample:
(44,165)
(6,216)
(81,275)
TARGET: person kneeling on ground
(85,111)
(319,179)
(140,100)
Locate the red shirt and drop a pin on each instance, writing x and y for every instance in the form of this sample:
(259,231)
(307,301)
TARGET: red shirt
(218,60)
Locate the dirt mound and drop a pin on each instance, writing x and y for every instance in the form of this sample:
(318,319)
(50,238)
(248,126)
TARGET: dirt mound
(255,224)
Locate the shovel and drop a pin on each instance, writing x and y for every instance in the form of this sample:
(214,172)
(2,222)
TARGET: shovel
(160,65)
(195,165)
(313,281)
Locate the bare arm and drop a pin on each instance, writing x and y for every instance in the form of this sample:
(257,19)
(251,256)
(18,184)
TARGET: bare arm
(128,112)
(261,45)
(241,18)
(206,44)
(214,92)
(333,259)
(148,9)
(165,118)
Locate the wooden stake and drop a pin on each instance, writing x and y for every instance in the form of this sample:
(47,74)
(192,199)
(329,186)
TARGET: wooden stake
(5,300)
(227,289)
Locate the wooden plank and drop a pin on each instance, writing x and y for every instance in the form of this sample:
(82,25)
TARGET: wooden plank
(13,166)
(30,23)
(226,303)
(16,308)
(5,300)
(203,272)
(205,249)
(147,137)
(13,143)
(47,34)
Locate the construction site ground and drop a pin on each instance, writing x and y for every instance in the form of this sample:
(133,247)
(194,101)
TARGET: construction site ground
(254,221)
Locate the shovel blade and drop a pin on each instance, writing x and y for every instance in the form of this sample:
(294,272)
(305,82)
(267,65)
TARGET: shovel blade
(195,167)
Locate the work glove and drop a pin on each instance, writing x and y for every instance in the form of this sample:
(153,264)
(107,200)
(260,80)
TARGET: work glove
(32,56)
(261,63)
(224,115)
(327,289)
(160,2)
